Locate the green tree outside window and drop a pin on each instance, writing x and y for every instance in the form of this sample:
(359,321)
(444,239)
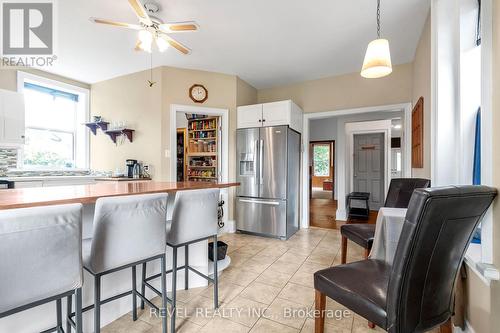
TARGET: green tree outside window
(321,160)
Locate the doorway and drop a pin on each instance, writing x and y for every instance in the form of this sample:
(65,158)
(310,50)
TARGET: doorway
(322,184)
(369,167)
(322,169)
(178,111)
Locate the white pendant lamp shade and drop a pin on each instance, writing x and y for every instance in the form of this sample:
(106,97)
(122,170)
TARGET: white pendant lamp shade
(377,62)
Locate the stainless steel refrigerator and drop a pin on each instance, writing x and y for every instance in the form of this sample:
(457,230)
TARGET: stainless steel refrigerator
(268,162)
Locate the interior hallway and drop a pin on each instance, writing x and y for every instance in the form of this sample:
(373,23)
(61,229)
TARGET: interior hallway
(322,214)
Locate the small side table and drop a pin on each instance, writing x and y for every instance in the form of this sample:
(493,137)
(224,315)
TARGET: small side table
(356,212)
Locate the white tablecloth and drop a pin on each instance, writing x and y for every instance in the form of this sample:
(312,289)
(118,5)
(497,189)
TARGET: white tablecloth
(387,231)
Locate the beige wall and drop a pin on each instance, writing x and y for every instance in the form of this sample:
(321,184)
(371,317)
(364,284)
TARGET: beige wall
(421,87)
(221,94)
(8,78)
(147,110)
(345,91)
(128,98)
(245,93)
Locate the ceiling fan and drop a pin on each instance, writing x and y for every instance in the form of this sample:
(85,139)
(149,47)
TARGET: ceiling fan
(152,28)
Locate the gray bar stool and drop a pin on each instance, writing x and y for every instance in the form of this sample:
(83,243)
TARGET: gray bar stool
(41,260)
(194,219)
(128,231)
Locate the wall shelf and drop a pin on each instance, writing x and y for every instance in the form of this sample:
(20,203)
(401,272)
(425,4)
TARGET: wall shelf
(103,125)
(113,134)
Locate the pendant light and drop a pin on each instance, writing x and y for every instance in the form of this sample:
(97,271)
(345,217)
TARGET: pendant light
(377,62)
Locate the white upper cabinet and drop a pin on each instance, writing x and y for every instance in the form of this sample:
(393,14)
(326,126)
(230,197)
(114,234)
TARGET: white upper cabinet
(11,117)
(249,116)
(270,114)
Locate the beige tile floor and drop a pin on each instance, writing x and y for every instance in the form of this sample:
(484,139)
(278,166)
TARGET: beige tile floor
(268,280)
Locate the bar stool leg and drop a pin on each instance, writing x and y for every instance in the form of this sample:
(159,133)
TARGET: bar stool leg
(78,311)
(97,304)
(174,289)
(216,277)
(59,315)
(143,284)
(134,294)
(186,270)
(69,305)
(163,294)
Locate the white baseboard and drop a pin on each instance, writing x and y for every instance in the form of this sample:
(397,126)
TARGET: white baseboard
(229,227)
(341,215)
(468,328)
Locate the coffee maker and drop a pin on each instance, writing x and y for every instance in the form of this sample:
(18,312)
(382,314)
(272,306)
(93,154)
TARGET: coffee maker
(130,168)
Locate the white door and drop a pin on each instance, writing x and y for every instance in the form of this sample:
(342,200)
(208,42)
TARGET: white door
(276,114)
(13,117)
(249,116)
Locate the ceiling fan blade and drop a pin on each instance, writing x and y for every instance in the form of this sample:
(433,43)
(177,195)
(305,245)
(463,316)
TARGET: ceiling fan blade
(175,44)
(114,23)
(179,27)
(140,11)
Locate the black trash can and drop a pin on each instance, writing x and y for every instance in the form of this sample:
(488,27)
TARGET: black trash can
(221,250)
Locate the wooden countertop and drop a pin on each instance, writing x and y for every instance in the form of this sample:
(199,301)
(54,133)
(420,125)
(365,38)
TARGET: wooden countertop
(87,194)
(120,179)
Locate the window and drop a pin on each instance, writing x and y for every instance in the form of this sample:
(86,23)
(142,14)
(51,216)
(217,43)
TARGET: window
(321,160)
(54,113)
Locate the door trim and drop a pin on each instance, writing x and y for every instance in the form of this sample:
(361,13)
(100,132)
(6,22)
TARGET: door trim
(307,117)
(369,127)
(171,148)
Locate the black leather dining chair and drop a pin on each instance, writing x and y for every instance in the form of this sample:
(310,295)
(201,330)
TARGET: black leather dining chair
(398,196)
(415,293)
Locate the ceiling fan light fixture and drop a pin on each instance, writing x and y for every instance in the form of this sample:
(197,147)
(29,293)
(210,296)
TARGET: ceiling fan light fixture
(162,44)
(145,40)
(377,62)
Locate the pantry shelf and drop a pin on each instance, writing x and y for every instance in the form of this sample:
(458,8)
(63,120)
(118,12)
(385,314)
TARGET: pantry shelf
(202,155)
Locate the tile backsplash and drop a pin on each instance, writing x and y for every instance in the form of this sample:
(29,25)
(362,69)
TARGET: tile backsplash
(8,167)
(8,159)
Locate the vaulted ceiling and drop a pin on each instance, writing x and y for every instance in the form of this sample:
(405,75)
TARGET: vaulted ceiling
(265,42)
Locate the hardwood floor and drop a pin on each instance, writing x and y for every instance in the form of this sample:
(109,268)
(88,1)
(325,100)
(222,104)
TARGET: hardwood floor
(322,214)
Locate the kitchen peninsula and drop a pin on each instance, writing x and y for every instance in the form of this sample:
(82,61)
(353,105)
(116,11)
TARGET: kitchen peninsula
(118,282)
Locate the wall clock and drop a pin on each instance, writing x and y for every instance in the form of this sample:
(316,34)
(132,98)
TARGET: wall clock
(198,93)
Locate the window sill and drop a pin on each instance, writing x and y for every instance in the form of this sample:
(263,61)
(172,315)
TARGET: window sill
(486,272)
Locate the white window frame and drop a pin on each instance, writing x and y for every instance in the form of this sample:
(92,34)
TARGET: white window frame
(446,51)
(81,133)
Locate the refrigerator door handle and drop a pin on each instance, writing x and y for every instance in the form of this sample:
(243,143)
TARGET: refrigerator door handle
(261,154)
(257,156)
(272,203)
